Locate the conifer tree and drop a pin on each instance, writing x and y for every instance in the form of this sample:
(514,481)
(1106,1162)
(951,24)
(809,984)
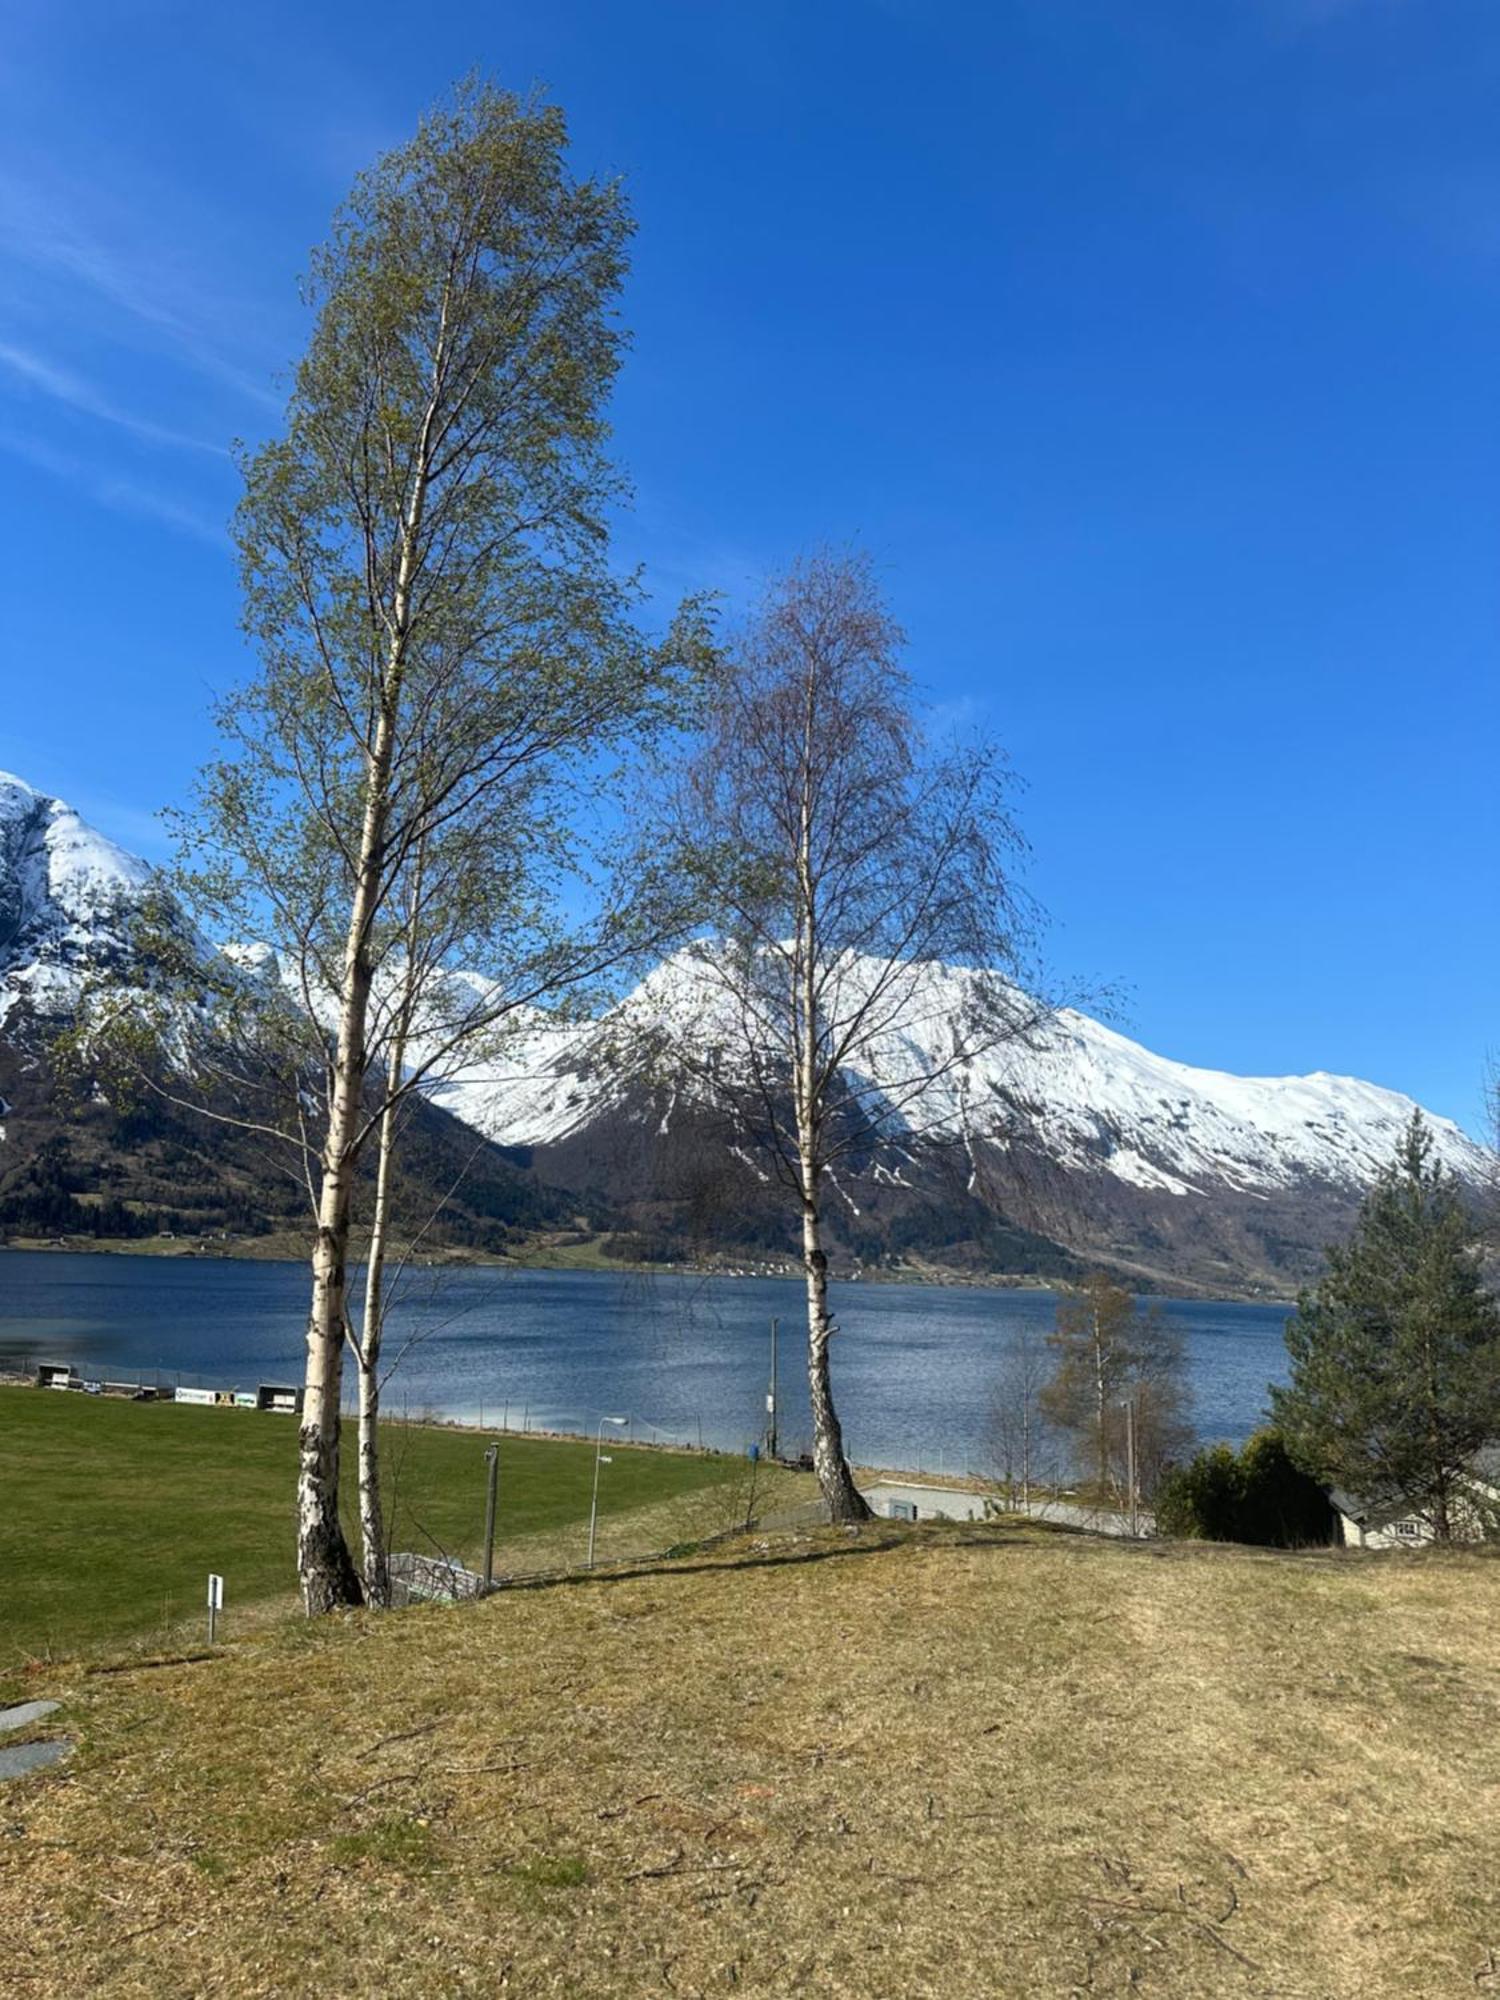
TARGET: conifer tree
(1396,1352)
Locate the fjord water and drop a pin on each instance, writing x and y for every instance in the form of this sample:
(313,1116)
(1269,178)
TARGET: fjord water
(915,1365)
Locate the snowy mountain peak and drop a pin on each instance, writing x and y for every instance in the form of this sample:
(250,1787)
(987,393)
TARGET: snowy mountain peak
(64,890)
(1091,1099)
(1076,1133)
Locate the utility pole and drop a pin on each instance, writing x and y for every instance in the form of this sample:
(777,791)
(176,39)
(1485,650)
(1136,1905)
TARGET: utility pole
(771,1394)
(1130,1465)
(492,1481)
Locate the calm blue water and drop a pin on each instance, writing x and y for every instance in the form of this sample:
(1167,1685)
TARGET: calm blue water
(914,1365)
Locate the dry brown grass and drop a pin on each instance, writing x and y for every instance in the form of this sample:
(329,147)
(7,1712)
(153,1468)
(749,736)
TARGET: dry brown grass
(950,1762)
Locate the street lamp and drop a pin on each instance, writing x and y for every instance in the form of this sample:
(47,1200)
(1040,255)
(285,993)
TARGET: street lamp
(599,1459)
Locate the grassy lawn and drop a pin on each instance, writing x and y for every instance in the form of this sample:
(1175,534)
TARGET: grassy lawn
(113,1513)
(947,1762)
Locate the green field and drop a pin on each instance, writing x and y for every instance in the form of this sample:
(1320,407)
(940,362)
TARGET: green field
(113,1513)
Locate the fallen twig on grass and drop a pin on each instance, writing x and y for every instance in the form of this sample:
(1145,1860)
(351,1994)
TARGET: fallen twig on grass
(400,1736)
(145,1666)
(426,1771)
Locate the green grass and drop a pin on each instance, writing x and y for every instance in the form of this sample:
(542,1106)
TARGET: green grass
(113,1513)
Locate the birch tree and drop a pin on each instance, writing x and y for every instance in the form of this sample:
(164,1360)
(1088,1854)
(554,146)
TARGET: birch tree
(860,920)
(1015,1431)
(1112,1356)
(446,658)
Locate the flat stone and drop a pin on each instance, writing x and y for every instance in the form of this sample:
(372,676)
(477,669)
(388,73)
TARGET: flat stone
(29,1711)
(23,1757)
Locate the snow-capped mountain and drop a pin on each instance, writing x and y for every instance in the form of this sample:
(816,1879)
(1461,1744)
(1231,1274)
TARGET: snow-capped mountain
(75,1163)
(1074,1132)
(1076,1136)
(1095,1100)
(65,895)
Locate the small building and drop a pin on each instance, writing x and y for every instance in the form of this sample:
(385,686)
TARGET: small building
(911,1500)
(278,1396)
(57,1375)
(1402,1524)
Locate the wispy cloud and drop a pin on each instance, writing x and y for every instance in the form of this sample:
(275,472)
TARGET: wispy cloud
(45,231)
(66,387)
(108,489)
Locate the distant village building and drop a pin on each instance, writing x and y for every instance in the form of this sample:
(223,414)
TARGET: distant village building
(1398,1524)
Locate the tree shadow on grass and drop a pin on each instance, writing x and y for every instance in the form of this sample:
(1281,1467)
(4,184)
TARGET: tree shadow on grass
(665,1566)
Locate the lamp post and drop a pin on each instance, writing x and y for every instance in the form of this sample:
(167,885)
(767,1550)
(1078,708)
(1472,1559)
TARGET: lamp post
(599,1459)
(1131,1478)
(492,1480)
(771,1439)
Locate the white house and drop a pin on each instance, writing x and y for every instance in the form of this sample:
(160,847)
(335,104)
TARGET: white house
(910,1500)
(1396,1524)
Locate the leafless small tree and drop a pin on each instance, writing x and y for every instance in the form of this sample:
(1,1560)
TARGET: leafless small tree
(1016,1434)
(1118,1385)
(862,932)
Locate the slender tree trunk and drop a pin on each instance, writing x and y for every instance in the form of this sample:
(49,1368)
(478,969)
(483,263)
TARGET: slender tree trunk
(1442,1519)
(324,1564)
(845,1501)
(327,1571)
(329,1578)
(372,1331)
(377,1566)
(371,1511)
(323,1561)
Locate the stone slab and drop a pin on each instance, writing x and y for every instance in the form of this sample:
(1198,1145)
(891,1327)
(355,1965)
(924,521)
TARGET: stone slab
(28,1711)
(21,1758)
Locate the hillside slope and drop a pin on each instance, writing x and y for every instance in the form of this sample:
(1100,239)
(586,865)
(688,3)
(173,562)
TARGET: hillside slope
(75,1165)
(966,1764)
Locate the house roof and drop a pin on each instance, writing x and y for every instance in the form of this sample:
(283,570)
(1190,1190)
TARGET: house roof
(1485,1463)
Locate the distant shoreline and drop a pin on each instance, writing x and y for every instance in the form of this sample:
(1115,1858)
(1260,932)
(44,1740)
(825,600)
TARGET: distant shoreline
(277,1250)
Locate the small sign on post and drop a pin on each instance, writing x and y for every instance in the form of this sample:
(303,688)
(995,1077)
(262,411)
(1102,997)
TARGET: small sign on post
(215,1603)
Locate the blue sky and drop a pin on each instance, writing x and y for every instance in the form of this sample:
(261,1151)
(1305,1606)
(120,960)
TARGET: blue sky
(1152,350)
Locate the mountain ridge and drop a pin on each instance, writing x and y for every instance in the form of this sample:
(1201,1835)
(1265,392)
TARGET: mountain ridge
(1081,1142)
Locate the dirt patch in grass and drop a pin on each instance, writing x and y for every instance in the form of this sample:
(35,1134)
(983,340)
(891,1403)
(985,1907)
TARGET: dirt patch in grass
(951,1762)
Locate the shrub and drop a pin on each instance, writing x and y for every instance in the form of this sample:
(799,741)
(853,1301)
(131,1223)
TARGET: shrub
(1257,1495)
(1204,1499)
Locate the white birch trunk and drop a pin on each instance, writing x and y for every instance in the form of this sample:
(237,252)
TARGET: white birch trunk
(327,1571)
(844,1499)
(377,1573)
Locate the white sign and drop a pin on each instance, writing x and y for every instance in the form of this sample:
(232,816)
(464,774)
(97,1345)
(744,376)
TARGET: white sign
(201,1396)
(215,1593)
